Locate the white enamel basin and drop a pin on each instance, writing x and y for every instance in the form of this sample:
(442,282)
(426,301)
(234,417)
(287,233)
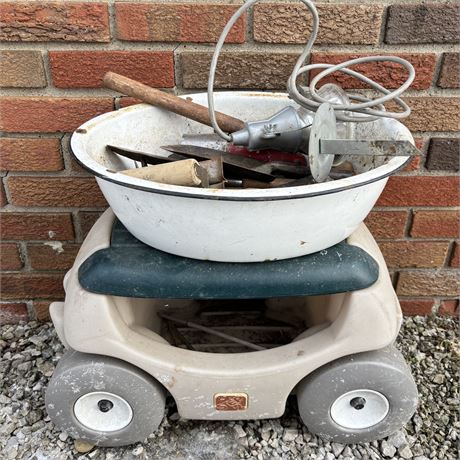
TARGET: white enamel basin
(229,225)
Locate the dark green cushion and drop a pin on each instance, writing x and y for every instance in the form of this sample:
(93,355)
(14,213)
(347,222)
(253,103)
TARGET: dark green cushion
(130,268)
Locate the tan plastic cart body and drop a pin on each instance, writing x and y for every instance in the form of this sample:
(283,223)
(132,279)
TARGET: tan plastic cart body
(351,384)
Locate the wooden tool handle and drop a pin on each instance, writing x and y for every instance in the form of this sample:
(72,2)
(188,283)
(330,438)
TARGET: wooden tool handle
(185,172)
(169,102)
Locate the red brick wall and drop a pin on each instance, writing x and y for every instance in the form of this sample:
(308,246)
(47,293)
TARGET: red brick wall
(54,54)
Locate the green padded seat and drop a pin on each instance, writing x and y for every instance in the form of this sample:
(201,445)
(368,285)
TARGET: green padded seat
(129,268)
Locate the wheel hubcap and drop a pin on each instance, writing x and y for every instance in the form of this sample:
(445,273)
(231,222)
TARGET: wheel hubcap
(103,411)
(359,409)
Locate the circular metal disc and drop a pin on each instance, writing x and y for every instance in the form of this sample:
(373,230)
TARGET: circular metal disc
(324,127)
(87,411)
(373,410)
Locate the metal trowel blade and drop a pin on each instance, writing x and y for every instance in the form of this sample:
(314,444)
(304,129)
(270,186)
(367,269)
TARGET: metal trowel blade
(145,157)
(233,164)
(386,148)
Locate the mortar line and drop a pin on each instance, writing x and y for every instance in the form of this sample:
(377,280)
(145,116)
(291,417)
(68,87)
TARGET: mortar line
(76,222)
(383,26)
(100,92)
(24,256)
(32,315)
(438,68)
(250,26)
(177,68)
(125,45)
(67,209)
(6,188)
(43,241)
(112,20)
(47,68)
(431,270)
(449,254)
(116,102)
(409,222)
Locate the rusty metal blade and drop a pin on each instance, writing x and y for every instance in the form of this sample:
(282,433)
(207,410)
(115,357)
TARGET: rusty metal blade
(233,164)
(385,148)
(144,157)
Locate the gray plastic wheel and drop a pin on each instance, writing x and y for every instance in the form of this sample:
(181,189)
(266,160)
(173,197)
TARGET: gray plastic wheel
(103,400)
(358,398)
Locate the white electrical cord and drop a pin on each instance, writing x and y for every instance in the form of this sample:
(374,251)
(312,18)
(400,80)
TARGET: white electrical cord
(367,108)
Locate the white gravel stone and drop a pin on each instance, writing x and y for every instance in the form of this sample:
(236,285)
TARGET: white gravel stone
(82,446)
(138,451)
(405,452)
(239,432)
(30,352)
(387,449)
(265,435)
(12,453)
(337,448)
(290,434)
(397,439)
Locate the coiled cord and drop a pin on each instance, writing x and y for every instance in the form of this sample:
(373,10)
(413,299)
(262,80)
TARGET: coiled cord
(364,111)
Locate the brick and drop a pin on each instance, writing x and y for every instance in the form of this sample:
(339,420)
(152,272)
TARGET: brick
(34,226)
(421,191)
(52,257)
(386,73)
(26,154)
(11,313)
(42,310)
(414,254)
(263,70)
(21,69)
(425,283)
(443,154)
(387,224)
(423,23)
(70,160)
(3,198)
(32,285)
(414,164)
(455,257)
(435,224)
(180,22)
(54,21)
(432,113)
(126,101)
(412,307)
(339,24)
(87,220)
(75,166)
(153,68)
(416,161)
(449,308)
(449,76)
(9,257)
(55,191)
(49,114)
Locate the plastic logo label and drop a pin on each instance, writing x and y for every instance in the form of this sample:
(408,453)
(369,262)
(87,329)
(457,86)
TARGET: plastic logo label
(230,401)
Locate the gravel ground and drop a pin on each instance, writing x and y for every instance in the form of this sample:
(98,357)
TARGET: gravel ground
(30,352)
